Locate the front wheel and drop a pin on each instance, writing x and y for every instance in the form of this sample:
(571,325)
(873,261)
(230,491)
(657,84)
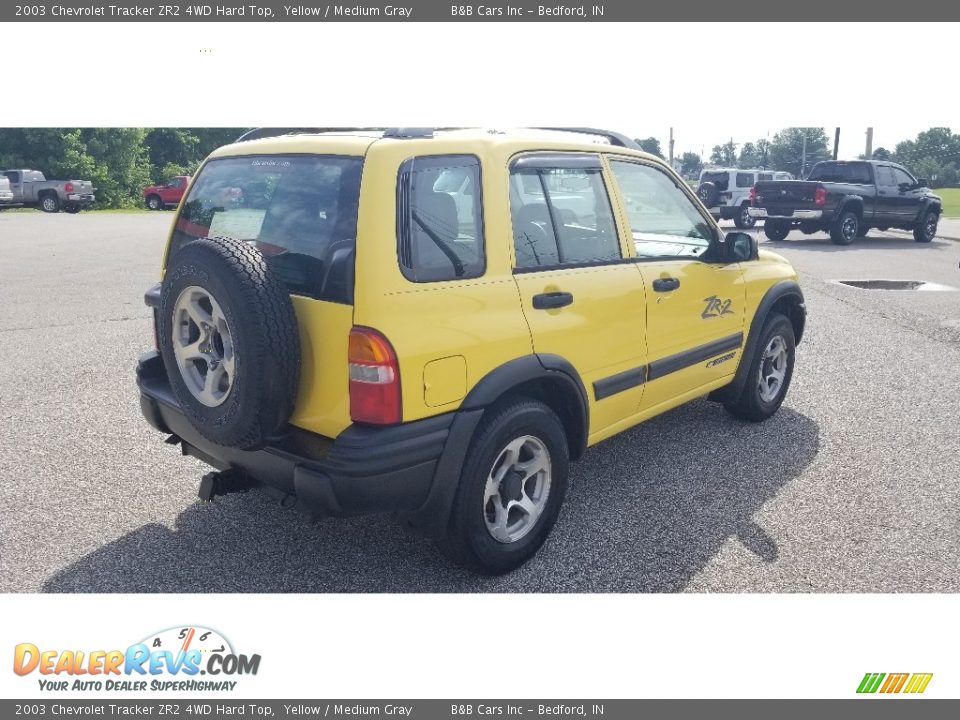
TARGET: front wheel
(511,488)
(776,230)
(743,219)
(769,374)
(845,229)
(926,229)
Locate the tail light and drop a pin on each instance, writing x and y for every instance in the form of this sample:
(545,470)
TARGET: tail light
(374,378)
(820,196)
(753,195)
(68,187)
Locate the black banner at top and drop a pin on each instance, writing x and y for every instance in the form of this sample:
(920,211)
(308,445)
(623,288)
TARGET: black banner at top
(728,11)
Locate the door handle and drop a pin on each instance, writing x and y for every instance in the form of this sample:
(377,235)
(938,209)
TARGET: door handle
(551,300)
(666,284)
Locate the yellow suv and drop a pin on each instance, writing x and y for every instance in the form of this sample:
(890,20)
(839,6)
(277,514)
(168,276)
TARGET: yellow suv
(433,323)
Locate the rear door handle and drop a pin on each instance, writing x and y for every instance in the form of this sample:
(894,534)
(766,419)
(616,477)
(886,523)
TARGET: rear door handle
(666,284)
(551,300)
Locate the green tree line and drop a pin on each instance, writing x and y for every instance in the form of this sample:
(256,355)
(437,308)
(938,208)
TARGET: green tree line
(119,161)
(933,155)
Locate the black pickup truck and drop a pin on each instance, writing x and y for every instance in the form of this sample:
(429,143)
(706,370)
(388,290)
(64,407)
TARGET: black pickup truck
(846,199)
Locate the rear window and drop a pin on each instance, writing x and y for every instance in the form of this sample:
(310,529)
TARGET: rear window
(720,179)
(299,210)
(841,172)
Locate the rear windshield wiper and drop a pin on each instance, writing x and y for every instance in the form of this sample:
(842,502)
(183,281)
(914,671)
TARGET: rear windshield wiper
(442,244)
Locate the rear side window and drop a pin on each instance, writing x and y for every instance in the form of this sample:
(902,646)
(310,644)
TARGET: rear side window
(299,210)
(561,216)
(764,177)
(439,218)
(720,179)
(744,180)
(858,173)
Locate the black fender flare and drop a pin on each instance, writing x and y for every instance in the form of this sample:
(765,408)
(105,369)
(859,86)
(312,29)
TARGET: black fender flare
(433,517)
(778,291)
(928,203)
(528,368)
(846,202)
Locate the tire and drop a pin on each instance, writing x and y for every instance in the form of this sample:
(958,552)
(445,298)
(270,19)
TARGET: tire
(845,228)
(531,428)
(926,229)
(743,219)
(708,194)
(72,208)
(758,401)
(236,380)
(154,202)
(776,230)
(50,204)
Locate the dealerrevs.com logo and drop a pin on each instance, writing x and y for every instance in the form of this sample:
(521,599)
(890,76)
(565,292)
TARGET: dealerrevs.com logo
(893,683)
(176,659)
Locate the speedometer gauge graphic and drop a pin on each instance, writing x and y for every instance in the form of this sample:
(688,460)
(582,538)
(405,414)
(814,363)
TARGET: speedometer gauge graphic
(185,638)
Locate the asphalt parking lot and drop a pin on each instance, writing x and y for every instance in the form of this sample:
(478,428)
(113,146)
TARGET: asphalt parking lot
(852,487)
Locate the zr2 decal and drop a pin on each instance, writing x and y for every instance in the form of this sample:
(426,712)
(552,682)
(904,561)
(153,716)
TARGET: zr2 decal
(716,307)
(722,359)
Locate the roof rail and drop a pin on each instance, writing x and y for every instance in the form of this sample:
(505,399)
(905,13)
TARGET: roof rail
(265,132)
(615,138)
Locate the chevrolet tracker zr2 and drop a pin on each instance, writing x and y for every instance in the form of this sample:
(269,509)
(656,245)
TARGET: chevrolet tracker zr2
(435,323)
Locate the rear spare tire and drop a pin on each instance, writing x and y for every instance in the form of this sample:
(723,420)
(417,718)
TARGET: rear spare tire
(229,340)
(708,194)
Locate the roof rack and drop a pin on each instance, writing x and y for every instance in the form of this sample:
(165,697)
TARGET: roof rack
(265,132)
(615,138)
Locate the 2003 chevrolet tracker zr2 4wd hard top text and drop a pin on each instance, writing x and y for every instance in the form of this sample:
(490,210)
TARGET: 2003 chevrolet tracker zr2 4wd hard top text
(434,323)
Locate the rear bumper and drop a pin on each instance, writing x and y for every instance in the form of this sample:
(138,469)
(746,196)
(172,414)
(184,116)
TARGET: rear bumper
(411,469)
(82,199)
(796,215)
(6,198)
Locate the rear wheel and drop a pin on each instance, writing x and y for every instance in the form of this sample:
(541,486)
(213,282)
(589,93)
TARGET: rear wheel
(926,229)
(770,372)
(50,203)
(154,202)
(776,230)
(743,219)
(511,488)
(845,228)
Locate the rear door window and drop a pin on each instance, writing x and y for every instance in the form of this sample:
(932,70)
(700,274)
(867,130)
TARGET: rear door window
(745,180)
(561,216)
(300,211)
(439,218)
(885,176)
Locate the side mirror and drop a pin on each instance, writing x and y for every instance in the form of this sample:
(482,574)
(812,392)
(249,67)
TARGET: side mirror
(741,247)
(904,186)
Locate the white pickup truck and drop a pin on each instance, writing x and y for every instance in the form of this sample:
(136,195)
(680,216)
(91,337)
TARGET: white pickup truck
(31,189)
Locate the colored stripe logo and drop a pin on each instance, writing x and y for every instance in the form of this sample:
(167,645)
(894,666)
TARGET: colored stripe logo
(914,683)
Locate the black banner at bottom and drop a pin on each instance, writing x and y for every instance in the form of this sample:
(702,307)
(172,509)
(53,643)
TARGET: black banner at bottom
(874,708)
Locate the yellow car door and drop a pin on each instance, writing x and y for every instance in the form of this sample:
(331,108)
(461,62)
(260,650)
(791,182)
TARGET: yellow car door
(695,308)
(582,295)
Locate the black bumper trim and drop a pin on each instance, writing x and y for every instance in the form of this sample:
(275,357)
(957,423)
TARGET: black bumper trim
(366,469)
(680,361)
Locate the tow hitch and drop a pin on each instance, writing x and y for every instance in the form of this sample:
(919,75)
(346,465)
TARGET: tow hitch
(223,482)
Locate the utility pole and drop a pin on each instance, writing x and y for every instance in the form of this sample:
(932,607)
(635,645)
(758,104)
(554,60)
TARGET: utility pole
(671,147)
(836,143)
(868,154)
(803,157)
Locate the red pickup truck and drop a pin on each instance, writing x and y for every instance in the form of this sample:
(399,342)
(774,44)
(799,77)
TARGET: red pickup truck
(166,195)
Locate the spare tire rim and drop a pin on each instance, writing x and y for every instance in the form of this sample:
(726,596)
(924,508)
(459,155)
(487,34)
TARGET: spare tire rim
(203,346)
(773,369)
(517,489)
